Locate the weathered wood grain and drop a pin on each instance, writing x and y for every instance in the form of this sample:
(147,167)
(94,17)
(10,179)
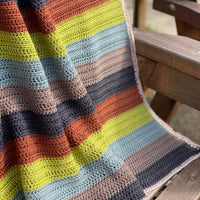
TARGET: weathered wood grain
(153,193)
(186,186)
(177,52)
(176,85)
(146,68)
(164,107)
(188,11)
(176,75)
(188,30)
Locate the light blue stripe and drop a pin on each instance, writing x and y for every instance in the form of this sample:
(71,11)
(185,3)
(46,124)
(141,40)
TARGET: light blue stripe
(94,171)
(37,74)
(138,139)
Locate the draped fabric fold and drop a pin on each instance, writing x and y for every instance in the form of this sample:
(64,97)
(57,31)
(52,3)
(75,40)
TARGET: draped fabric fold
(74,123)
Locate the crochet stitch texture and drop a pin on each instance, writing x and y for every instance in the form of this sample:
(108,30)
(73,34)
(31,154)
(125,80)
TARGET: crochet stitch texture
(73,120)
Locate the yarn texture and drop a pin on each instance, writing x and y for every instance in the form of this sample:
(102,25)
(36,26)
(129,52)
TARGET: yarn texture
(74,123)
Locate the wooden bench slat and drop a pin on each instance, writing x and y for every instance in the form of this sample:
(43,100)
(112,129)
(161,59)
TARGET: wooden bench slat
(185,186)
(186,29)
(164,107)
(151,195)
(146,68)
(187,11)
(178,52)
(176,85)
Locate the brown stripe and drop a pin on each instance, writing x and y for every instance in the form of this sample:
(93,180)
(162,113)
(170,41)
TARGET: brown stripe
(148,155)
(106,65)
(17,98)
(39,146)
(43,101)
(77,129)
(43,20)
(108,186)
(133,164)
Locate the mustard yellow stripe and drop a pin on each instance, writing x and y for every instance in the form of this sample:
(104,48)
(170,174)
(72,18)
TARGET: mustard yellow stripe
(27,47)
(35,175)
(102,17)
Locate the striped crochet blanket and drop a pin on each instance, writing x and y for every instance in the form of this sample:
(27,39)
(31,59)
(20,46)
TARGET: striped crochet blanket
(74,122)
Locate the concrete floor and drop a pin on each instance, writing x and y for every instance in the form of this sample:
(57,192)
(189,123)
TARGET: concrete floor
(186,120)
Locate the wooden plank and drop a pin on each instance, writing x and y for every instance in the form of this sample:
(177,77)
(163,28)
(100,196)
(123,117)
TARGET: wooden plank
(188,30)
(177,52)
(153,193)
(176,85)
(169,106)
(146,68)
(156,192)
(140,13)
(185,186)
(187,11)
(164,107)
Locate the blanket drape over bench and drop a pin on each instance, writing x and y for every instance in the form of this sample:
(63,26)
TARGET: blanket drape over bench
(74,122)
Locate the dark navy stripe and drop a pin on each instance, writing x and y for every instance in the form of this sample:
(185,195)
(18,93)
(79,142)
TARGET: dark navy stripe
(24,123)
(165,165)
(34,4)
(132,192)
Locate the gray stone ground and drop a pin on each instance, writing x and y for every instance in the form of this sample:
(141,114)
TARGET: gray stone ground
(186,120)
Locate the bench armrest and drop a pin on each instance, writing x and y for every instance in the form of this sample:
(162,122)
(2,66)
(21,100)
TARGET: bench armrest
(178,52)
(186,10)
(170,65)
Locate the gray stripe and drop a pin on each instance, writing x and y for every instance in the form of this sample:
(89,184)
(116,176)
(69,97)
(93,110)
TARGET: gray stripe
(150,154)
(24,123)
(131,192)
(154,173)
(18,98)
(108,186)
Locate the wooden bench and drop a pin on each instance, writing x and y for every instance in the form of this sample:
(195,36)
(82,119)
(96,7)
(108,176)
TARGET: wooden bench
(170,65)
(187,17)
(186,14)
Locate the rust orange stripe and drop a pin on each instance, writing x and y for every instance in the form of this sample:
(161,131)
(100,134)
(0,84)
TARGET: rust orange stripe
(30,148)
(43,20)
